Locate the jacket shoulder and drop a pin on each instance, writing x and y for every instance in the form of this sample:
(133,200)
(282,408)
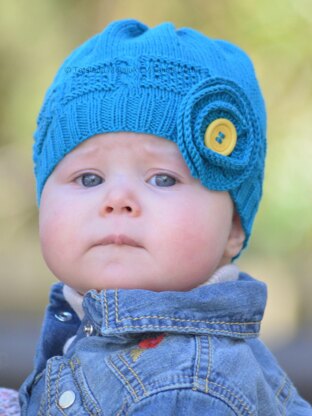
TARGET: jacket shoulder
(179,364)
(182,402)
(219,369)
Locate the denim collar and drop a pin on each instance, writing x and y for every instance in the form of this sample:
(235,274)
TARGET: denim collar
(234,309)
(229,272)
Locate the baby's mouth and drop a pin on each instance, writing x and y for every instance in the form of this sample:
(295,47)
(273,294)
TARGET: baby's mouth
(119,240)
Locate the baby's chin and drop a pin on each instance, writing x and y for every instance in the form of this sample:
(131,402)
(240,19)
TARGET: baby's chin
(117,276)
(129,283)
(142,286)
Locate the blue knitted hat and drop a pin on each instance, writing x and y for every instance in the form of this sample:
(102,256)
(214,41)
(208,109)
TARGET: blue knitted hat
(170,83)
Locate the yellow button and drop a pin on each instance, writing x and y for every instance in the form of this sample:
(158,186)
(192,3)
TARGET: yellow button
(221,136)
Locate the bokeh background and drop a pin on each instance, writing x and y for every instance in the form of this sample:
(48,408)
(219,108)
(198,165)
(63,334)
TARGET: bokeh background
(36,36)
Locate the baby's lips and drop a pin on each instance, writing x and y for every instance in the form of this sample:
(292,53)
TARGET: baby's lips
(119,239)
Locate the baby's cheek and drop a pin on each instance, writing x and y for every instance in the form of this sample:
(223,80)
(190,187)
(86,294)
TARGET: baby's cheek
(184,235)
(197,235)
(53,235)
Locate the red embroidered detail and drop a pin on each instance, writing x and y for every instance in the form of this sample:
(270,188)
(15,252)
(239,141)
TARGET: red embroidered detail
(151,342)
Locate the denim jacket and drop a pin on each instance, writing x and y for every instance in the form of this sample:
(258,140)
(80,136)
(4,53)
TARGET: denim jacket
(138,352)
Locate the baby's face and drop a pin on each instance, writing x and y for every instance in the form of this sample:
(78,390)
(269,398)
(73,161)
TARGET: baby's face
(123,211)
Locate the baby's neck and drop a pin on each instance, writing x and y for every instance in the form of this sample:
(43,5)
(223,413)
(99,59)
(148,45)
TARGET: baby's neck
(227,273)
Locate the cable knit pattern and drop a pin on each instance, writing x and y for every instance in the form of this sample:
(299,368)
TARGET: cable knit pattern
(164,81)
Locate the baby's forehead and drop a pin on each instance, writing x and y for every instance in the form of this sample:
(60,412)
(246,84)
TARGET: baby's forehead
(146,145)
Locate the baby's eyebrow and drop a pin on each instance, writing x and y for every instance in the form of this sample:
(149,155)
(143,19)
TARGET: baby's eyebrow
(161,151)
(146,150)
(81,152)
(162,155)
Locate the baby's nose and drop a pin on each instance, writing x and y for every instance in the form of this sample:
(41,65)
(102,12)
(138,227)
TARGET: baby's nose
(121,200)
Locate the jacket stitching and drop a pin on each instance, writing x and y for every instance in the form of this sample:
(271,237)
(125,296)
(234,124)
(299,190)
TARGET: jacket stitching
(212,331)
(124,378)
(81,387)
(116,306)
(57,389)
(106,309)
(184,382)
(198,351)
(281,387)
(122,408)
(209,362)
(219,395)
(231,394)
(49,387)
(286,400)
(186,320)
(279,391)
(37,377)
(227,398)
(166,317)
(172,318)
(134,373)
(42,403)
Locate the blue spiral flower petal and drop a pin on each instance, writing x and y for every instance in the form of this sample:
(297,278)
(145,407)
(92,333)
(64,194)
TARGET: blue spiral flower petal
(207,101)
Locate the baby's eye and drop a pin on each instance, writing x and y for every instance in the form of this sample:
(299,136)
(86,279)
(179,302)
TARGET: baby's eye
(90,179)
(162,180)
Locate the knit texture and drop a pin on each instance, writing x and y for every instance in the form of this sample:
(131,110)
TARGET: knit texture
(9,404)
(164,81)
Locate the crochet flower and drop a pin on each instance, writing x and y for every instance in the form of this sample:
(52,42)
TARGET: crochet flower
(212,99)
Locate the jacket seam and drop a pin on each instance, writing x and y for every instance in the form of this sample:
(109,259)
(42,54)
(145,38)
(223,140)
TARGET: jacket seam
(287,400)
(57,388)
(209,367)
(41,405)
(228,396)
(106,309)
(281,387)
(134,374)
(49,387)
(120,411)
(289,393)
(215,395)
(136,398)
(198,351)
(185,320)
(87,400)
(207,330)
(206,380)
(172,318)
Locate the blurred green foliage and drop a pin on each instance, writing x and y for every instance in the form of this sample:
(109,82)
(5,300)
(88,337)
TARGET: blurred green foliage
(36,36)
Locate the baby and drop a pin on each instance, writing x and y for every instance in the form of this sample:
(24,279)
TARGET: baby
(149,159)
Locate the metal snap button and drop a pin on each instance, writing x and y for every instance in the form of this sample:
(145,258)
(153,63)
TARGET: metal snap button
(63,316)
(221,136)
(88,329)
(66,399)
